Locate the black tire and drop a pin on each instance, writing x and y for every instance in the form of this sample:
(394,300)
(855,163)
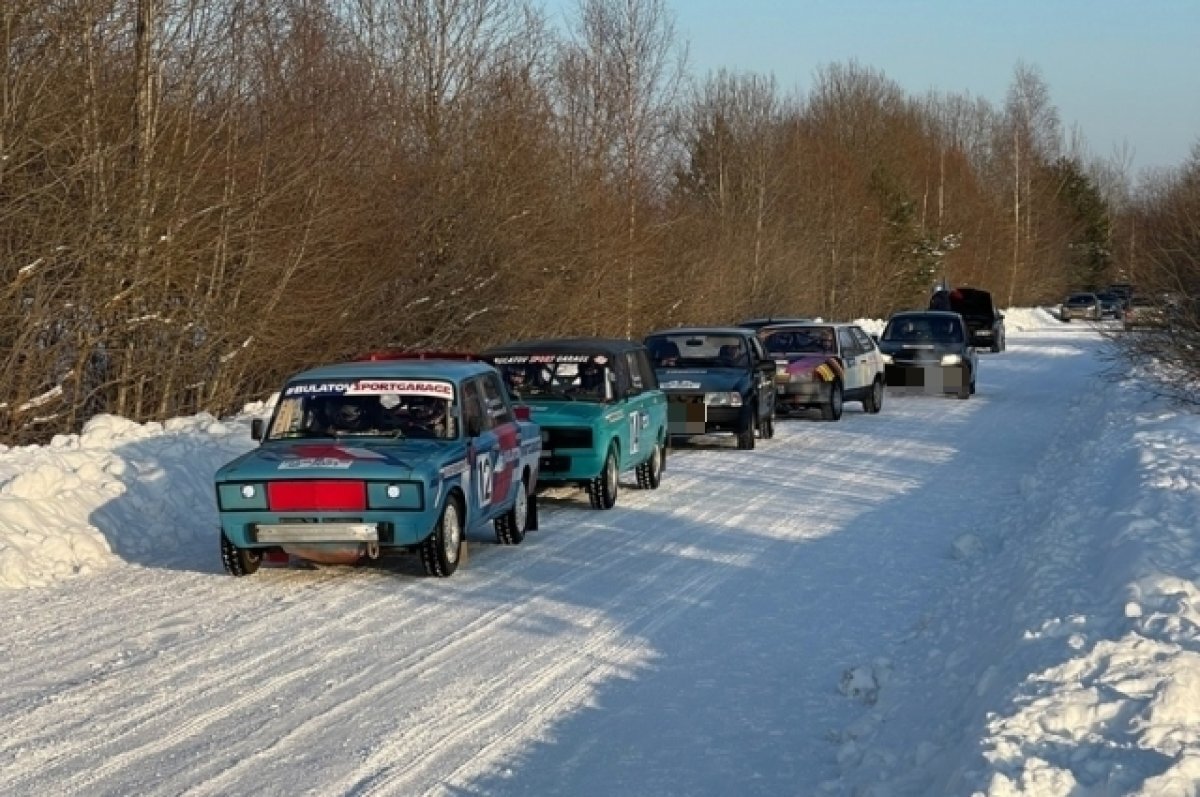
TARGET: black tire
(972,384)
(532,513)
(649,473)
(873,403)
(239,561)
(832,411)
(440,550)
(745,438)
(512,525)
(766,428)
(964,390)
(602,490)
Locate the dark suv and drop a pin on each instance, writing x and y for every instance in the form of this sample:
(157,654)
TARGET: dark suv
(717,379)
(984,321)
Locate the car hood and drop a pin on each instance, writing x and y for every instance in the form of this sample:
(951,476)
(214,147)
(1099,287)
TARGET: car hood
(558,413)
(365,459)
(703,380)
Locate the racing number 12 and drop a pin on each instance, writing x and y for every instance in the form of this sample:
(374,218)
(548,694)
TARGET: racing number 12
(486,472)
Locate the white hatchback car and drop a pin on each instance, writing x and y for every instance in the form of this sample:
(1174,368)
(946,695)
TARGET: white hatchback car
(821,365)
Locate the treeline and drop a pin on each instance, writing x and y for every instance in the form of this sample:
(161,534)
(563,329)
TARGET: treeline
(199,197)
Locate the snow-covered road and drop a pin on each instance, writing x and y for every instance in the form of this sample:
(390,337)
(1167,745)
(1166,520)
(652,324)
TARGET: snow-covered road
(844,609)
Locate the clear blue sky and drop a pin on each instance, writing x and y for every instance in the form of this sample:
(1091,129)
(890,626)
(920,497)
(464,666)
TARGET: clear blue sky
(1123,71)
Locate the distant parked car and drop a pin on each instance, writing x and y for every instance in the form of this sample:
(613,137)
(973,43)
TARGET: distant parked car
(1085,306)
(1111,305)
(717,379)
(378,455)
(599,406)
(929,352)
(822,365)
(1144,312)
(984,322)
(1123,290)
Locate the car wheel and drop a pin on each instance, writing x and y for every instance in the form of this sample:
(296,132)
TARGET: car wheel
(873,403)
(833,410)
(964,390)
(649,473)
(767,428)
(439,551)
(239,561)
(745,438)
(512,525)
(602,490)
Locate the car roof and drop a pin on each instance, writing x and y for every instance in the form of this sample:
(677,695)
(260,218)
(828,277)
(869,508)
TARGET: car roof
(610,346)
(925,314)
(740,331)
(808,324)
(454,370)
(771,321)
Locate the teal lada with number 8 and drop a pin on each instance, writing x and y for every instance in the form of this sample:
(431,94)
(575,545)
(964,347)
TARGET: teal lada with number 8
(365,458)
(599,408)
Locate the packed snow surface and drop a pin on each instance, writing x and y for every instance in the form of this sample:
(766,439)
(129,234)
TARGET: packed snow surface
(993,597)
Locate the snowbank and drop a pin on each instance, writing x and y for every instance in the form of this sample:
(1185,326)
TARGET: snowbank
(58,516)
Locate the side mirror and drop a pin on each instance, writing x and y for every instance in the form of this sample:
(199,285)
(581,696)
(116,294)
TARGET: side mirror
(257,427)
(522,412)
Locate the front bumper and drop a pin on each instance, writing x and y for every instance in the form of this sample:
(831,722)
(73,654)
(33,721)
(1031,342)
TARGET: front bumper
(688,415)
(925,379)
(799,395)
(566,465)
(269,530)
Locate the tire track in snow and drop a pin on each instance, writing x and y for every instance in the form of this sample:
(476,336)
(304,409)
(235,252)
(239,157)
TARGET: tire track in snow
(364,692)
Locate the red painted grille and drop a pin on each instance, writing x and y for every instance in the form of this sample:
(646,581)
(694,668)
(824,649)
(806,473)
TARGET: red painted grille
(316,496)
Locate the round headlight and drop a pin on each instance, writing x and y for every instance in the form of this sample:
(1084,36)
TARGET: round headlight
(393,491)
(248,491)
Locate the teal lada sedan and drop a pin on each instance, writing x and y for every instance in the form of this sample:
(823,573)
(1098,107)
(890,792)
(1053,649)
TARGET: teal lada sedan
(598,405)
(365,458)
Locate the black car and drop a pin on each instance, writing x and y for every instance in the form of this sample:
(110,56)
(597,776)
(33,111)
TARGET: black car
(984,321)
(717,379)
(929,351)
(1111,305)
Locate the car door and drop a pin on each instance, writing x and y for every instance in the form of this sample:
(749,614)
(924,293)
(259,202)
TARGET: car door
(508,441)
(483,454)
(855,361)
(764,377)
(872,359)
(632,389)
